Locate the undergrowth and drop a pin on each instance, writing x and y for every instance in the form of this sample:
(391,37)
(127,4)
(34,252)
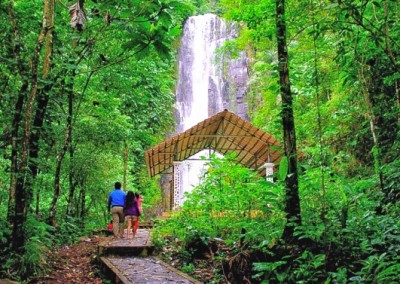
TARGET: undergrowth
(40,238)
(231,226)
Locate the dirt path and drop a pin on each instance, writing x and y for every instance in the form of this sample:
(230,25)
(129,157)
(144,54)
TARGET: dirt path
(73,264)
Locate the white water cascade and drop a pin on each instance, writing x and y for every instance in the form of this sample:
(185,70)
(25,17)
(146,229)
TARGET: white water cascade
(207,84)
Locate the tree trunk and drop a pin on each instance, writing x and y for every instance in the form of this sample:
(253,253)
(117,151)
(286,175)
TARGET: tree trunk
(21,202)
(37,210)
(17,120)
(42,102)
(292,206)
(83,205)
(71,195)
(53,207)
(71,150)
(14,150)
(72,187)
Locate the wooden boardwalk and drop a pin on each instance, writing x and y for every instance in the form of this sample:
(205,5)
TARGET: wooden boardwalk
(141,245)
(129,261)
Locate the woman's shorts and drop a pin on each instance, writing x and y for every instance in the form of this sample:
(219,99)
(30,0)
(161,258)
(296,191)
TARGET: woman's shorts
(131,218)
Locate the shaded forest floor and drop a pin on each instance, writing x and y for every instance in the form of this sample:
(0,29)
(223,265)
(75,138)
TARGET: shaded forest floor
(75,263)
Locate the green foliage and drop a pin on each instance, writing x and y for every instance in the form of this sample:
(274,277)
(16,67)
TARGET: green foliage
(307,268)
(4,233)
(344,76)
(392,180)
(6,262)
(188,268)
(268,270)
(150,190)
(68,232)
(33,260)
(366,251)
(229,199)
(119,72)
(381,268)
(342,238)
(40,238)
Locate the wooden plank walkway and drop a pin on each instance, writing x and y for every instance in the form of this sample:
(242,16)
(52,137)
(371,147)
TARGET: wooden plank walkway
(145,270)
(141,245)
(129,261)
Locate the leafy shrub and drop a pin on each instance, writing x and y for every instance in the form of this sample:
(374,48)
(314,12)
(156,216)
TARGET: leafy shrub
(230,200)
(382,268)
(232,204)
(5,235)
(188,268)
(306,267)
(343,237)
(269,270)
(5,232)
(68,232)
(33,259)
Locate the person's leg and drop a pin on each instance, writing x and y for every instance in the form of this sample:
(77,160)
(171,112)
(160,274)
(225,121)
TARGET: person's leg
(135,220)
(121,221)
(115,218)
(136,224)
(128,230)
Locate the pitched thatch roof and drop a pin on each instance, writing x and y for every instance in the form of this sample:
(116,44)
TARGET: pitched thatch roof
(225,133)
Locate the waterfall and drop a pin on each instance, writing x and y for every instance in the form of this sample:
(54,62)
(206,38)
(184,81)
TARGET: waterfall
(207,83)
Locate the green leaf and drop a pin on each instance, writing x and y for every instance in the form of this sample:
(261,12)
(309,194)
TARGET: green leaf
(283,168)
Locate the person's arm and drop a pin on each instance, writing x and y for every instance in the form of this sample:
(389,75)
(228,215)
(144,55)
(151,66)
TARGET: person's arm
(140,204)
(137,208)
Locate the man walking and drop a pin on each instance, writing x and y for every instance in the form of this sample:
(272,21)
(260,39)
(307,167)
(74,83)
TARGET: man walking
(116,202)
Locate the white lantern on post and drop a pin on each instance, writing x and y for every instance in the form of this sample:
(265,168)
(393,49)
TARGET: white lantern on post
(269,170)
(177,185)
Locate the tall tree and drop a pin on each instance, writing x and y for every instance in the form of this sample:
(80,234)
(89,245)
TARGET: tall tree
(17,116)
(21,192)
(292,206)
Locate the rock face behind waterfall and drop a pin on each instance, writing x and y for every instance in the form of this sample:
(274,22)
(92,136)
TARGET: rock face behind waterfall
(208,83)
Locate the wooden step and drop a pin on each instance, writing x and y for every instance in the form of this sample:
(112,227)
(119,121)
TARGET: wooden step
(141,245)
(145,270)
(146,224)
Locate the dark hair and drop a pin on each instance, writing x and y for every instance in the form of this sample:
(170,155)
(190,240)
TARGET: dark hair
(118,185)
(137,194)
(130,198)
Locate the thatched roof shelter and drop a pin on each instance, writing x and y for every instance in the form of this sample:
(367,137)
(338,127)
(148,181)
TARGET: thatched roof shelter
(225,133)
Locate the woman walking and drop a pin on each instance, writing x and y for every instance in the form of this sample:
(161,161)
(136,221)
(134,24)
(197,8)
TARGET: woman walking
(132,213)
